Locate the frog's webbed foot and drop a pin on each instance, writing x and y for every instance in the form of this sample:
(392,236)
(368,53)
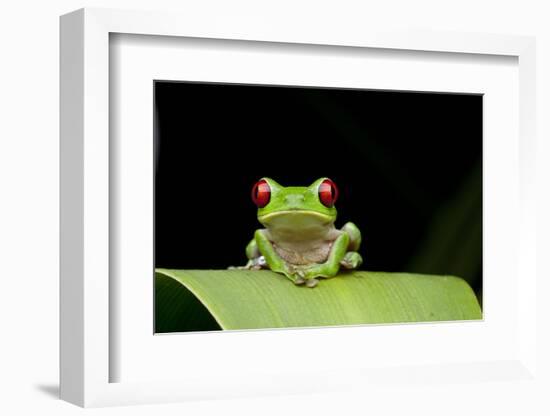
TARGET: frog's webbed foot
(352,260)
(299,275)
(299,278)
(294,274)
(256,263)
(259,263)
(311,282)
(302,277)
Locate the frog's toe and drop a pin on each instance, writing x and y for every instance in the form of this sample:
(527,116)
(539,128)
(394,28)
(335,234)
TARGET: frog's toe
(352,260)
(346,264)
(311,282)
(301,273)
(299,281)
(300,277)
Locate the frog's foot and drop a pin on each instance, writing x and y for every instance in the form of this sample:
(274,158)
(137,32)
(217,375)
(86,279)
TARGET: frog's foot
(311,282)
(352,260)
(256,263)
(299,281)
(299,277)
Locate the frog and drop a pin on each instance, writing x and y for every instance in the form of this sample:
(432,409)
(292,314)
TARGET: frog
(299,239)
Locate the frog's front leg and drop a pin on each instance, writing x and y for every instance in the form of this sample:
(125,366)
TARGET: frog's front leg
(331,266)
(255,260)
(354,236)
(273,260)
(352,259)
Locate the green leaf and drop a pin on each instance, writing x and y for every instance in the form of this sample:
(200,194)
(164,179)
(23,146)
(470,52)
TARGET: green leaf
(192,300)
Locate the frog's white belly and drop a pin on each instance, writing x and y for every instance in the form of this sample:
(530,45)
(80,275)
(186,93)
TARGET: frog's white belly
(305,246)
(305,253)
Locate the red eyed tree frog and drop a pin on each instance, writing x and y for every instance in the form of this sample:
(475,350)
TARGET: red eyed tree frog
(299,239)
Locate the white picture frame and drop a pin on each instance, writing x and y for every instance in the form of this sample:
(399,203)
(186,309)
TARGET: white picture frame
(87,355)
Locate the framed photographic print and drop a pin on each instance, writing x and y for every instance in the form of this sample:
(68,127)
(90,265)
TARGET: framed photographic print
(418,193)
(267,212)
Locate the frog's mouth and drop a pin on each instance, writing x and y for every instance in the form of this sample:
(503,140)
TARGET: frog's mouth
(296,219)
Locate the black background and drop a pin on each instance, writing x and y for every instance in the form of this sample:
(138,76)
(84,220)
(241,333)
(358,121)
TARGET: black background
(408,166)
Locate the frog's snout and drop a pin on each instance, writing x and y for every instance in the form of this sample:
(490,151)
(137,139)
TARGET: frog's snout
(294,200)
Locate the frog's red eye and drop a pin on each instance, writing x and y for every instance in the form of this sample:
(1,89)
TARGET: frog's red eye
(328,193)
(261,193)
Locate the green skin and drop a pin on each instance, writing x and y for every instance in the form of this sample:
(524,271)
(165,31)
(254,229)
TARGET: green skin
(299,239)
